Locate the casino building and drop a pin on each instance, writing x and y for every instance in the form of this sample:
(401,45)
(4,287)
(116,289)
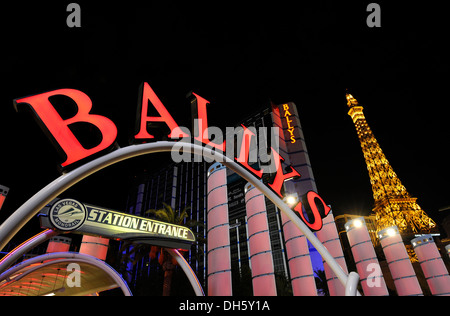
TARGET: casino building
(244,244)
(184,185)
(233,236)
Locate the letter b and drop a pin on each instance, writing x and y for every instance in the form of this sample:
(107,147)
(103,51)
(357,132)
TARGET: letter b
(58,128)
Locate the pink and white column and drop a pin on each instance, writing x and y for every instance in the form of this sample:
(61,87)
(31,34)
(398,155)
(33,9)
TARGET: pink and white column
(300,266)
(218,238)
(399,264)
(432,265)
(329,237)
(369,270)
(260,250)
(94,246)
(58,244)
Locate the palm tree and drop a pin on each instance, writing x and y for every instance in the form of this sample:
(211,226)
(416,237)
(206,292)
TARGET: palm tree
(167,262)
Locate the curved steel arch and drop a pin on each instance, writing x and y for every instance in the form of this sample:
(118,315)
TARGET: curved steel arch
(39,238)
(31,207)
(24,247)
(68,257)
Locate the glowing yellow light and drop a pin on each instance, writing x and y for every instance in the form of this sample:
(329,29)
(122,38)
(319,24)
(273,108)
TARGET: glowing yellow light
(391,232)
(291,200)
(357,223)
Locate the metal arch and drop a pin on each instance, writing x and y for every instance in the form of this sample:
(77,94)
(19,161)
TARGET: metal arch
(351,289)
(27,245)
(187,270)
(73,257)
(31,207)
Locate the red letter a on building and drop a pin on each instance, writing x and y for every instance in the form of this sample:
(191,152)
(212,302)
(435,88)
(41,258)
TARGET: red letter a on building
(149,95)
(58,128)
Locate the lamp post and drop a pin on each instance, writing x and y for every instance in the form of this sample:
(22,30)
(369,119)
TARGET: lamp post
(300,266)
(372,280)
(432,265)
(398,261)
(260,250)
(329,237)
(218,240)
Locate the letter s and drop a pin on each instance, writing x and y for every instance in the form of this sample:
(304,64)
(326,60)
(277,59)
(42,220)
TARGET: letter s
(293,139)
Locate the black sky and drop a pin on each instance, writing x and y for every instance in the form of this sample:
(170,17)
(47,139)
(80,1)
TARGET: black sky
(237,58)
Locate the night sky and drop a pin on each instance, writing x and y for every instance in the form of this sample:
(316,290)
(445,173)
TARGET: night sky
(238,58)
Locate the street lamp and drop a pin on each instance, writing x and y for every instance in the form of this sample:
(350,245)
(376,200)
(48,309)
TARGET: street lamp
(372,280)
(400,266)
(432,265)
(354,223)
(291,199)
(388,232)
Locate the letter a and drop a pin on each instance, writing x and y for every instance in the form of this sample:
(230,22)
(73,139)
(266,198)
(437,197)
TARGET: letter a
(374,18)
(74,18)
(58,129)
(149,95)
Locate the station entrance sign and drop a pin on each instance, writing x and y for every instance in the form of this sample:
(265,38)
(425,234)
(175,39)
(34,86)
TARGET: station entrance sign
(69,215)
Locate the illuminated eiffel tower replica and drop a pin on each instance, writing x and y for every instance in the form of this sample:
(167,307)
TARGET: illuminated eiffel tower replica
(393,204)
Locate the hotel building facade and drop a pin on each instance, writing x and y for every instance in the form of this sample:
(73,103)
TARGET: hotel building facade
(184,185)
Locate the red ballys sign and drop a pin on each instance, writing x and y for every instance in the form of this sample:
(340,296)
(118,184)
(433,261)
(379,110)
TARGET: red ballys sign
(58,129)
(66,142)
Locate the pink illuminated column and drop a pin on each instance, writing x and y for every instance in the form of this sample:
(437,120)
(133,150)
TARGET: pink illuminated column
(3,193)
(400,266)
(300,267)
(432,265)
(218,239)
(94,246)
(260,250)
(369,270)
(58,244)
(329,237)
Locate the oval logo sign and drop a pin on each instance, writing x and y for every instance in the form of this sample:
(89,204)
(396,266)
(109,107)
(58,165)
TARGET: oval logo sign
(67,214)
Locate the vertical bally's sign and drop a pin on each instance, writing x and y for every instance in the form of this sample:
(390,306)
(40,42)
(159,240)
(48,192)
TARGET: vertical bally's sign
(287,116)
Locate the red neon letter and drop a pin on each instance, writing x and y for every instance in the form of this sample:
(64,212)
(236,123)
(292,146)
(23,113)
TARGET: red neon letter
(244,152)
(59,129)
(149,95)
(280,177)
(317,223)
(203,124)
(2,199)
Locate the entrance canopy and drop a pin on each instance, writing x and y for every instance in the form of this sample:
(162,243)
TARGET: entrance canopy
(60,274)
